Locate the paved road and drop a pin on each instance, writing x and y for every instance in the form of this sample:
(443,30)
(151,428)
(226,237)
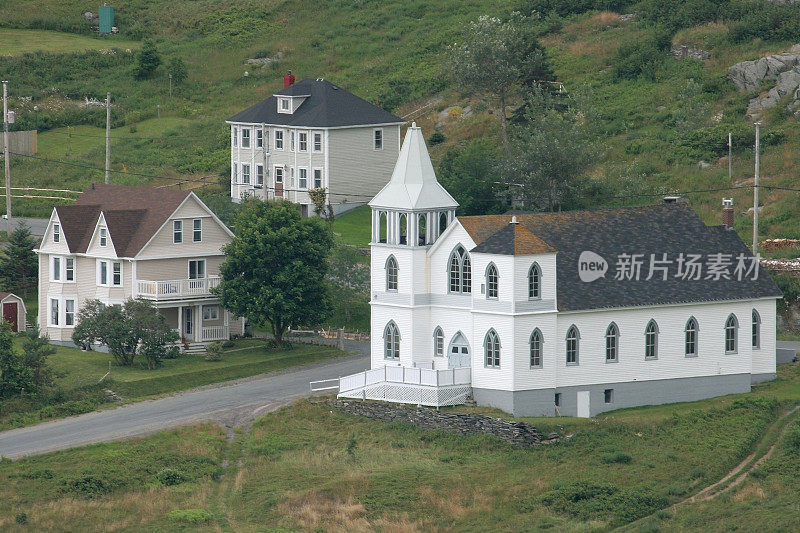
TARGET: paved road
(789,345)
(230,403)
(36,225)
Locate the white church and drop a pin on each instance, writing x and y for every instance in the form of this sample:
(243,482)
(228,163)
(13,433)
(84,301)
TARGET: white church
(571,313)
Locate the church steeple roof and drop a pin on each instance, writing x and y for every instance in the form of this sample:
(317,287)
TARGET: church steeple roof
(413,184)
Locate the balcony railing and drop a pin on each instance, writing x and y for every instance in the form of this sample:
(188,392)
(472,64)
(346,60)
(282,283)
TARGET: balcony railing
(177,288)
(215,333)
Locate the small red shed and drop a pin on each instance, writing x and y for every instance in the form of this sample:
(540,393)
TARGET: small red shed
(13,310)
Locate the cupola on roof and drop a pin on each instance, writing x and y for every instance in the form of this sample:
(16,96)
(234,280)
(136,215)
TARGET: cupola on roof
(413,185)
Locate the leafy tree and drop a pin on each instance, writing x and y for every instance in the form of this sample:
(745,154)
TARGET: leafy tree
(177,68)
(35,351)
(468,174)
(19,266)
(550,154)
(15,377)
(348,278)
(274,269)
(134,328)
(149,60)
(319,197)
(496,59)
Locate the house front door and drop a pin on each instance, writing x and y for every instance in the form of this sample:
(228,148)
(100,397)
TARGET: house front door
(188,323)
(458,354)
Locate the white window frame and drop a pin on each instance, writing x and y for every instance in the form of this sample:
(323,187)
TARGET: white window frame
(245,137)
(695,332)
(110,267)
(259,174)
(55,268)
(259,138)
(279,172)
(103,237)
(755,330)
(377,139)
(612,343)
(302,141)
(491,349)
(67,270)
(197,269)
(536,334)
(284,105)
(56,232)
(69,316)
(279,139)
(654,355)
(54,319)
(438,342)
(314,136)
(321,183)
(292,144)
(246,173)
(235,171)
(391,342)
(302,178)
(209,310)
(235,136)
(177,232)
(197,230)
(735,329)
(577,348)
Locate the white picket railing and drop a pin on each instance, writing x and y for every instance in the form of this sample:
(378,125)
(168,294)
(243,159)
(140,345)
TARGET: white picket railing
(215,333)
(407,376)
(176,288)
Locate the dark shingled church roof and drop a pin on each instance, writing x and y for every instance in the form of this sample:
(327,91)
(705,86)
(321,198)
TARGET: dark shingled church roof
(657,229)
(327,106)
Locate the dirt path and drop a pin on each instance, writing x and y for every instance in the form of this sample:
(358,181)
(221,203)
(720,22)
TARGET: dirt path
(737,474)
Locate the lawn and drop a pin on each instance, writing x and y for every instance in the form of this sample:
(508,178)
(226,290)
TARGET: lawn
(77,374)
(354,227)
(17,41)
(312,468)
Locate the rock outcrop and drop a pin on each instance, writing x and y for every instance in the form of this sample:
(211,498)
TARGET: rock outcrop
(519,434)
(783,68)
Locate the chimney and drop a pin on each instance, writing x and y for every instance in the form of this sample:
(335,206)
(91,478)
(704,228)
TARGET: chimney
(514,220)
(727,212)
(288,79)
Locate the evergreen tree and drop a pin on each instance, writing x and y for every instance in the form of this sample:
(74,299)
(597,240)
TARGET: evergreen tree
(19,267)
(35,351)
(15,377)
(149,60)
(177,68)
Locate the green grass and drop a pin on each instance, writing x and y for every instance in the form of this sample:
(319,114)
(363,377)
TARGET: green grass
(18,41)
(355,227)
(77,374)
(308,467)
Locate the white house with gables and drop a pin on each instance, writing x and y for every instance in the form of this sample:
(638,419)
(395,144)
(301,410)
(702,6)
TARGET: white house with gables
(497,307)
(313,134)
(118,242)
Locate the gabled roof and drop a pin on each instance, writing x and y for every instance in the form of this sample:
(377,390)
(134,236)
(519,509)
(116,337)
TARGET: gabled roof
(129,229)
(413,184)
(669,229)
(327,106)
(514,239)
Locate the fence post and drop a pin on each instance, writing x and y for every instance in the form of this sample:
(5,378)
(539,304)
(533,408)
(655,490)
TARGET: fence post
(454,376)
(340,344)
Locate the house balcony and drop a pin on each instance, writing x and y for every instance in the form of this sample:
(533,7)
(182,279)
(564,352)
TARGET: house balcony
(177,289)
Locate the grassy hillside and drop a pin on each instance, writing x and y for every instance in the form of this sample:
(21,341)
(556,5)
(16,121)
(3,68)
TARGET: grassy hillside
(309,467)
(656,129)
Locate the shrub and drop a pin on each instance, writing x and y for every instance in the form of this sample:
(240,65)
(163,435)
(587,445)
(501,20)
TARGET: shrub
(616,457)
(190,516)
(641,58)
(791,441)
(228,344)
(214,351)
(88,486)
(169,477)
(21,518)
(436,138)
(697,473)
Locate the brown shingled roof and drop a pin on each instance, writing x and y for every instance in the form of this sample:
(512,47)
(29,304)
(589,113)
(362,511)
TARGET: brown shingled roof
(514,239)
(133,215)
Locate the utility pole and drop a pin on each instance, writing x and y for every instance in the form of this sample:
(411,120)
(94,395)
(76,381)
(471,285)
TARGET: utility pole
(108,136)
(7,157)
(730,157)
(755,192)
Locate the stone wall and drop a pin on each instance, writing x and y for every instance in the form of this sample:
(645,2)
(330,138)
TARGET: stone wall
(519,434)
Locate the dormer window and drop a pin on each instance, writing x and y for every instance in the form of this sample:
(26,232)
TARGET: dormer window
(284,104)
(56,232)
(103,236)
